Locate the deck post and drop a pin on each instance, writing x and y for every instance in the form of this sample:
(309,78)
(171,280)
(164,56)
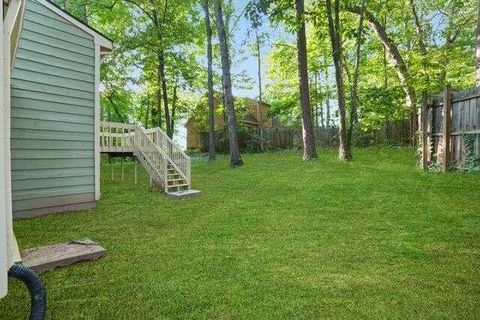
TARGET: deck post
(121,166)
(150,183)
(111,167)
(447,108)
(135,161)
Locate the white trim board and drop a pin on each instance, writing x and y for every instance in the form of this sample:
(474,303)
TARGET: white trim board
(3,212)
(9,253)
(97,121)
(14,12)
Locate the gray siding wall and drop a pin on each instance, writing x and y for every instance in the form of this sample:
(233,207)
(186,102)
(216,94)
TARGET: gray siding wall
(53,101)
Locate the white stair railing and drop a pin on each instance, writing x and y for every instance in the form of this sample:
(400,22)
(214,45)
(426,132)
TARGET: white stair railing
(151,156)
(153,145)
(154,149)
(179,159)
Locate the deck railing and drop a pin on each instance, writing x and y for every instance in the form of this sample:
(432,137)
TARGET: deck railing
(151,156)
(179,159)
(152,145)
(117,137)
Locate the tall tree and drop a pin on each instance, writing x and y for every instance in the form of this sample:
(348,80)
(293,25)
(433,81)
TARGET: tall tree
(421,44)
(258,55)
(333,15)
(211,111)
(396,59)
(309,148)
(235,156)
(478,45)
(327,102)
(354,100)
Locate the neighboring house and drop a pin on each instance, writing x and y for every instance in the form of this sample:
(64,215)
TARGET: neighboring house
(53,109)
(253,114)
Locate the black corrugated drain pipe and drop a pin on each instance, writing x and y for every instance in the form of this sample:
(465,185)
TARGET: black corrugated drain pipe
(35,287)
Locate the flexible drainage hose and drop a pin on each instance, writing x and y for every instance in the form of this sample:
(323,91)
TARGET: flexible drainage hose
(35,287)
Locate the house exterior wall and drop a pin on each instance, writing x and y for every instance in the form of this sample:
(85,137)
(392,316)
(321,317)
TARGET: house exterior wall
(52,116)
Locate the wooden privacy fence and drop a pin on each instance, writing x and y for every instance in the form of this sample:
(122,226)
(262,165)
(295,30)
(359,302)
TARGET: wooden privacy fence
(395,133)
(277,138)
(450,126)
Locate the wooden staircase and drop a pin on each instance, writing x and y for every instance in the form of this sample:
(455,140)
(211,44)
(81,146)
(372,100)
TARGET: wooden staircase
(175,182)
(165,162)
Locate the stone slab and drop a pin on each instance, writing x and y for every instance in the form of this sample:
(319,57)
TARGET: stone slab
(49,257)
(184,194)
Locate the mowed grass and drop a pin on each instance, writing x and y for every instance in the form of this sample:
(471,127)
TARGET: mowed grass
(275,239)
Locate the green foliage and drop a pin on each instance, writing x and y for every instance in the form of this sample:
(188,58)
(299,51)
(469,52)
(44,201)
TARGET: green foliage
(141,29)
(449,37)
(248,141)
(380,106)
(472,162)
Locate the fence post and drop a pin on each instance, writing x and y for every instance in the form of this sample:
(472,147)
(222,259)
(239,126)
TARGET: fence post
(424,128)
(447,119)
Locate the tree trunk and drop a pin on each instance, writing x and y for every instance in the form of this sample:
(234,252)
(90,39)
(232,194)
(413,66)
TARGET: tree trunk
(211,115)
(321,117)
(235,157)
(395,57)
(163,80)
(478,45)
(327,90)
(424,55)
(159,97)
(422,46)
(259,65)
(419,30)
(355,103)
(309,149)
(260,95)
(344,151)
(450,38)
(315,105)
(174,107)
(147,112)
(385,60)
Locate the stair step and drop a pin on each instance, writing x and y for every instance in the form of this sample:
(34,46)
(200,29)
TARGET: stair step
(173,175)
(177,185)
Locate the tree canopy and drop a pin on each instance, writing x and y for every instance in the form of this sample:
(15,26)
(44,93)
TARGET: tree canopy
(158,70)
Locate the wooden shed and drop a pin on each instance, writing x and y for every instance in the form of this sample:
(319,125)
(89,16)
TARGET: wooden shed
(55,110)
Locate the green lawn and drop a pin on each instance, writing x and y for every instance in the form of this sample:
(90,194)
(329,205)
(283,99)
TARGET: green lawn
(276,238)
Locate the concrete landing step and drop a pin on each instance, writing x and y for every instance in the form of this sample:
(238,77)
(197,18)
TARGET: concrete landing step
(49,257)
(184,193)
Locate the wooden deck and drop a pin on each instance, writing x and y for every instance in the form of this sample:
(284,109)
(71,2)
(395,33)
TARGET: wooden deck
(117,137)
(166,163)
